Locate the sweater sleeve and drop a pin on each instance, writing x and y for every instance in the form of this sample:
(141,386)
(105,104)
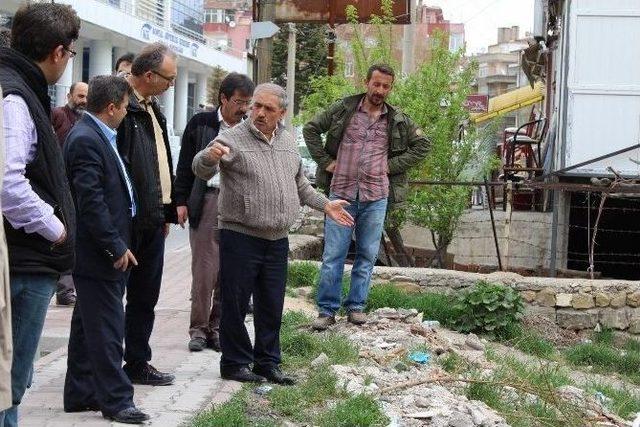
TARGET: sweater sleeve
(201,167)
(307,194)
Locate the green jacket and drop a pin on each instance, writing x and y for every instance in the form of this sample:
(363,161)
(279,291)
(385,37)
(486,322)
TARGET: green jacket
(407,144)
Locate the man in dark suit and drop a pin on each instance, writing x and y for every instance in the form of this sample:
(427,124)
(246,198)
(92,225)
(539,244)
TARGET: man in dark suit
(105,206)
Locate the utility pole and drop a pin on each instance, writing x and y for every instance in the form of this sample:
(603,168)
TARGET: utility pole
(291,75)
(409,31)
(264,47)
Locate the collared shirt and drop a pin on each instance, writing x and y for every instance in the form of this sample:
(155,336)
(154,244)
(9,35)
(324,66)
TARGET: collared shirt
(111,136)
(21,206)
(362,162)
(215,181)
(163,160)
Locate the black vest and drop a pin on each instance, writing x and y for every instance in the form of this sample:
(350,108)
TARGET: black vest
(30,252)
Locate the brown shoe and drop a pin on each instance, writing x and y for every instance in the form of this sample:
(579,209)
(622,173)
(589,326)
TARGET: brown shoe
(323,321)
(357,317)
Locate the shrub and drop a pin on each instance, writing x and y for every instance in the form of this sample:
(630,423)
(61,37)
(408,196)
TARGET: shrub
(487,308)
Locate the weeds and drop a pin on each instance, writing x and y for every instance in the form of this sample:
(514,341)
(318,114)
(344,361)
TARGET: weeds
(230,413)
(360,410)
(302,274)
(623,402)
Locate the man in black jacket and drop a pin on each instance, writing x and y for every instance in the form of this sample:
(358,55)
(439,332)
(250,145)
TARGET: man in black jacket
(197,201)
(36,201)
(144,146)
(105,204)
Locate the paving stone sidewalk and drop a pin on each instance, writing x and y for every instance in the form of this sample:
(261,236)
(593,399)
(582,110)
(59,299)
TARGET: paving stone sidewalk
(198,382)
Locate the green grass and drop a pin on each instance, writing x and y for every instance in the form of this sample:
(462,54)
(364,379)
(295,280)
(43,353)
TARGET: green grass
(360,410)
(302,274)
(528,342)
(433,306)
(606,359)
(295,402)
(299,347)
(231,413)
(623,402)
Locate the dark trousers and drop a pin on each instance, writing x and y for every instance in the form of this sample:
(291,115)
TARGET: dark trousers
(250,265)
(143,290)
(94,363)
(65,286)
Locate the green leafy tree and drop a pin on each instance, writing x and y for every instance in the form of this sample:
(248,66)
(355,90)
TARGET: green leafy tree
(311,58)
(434,98)
(213,84)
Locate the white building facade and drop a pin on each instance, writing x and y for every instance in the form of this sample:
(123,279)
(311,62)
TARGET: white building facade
(111,28)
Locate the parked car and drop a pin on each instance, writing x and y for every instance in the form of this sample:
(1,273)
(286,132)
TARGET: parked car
(309,166)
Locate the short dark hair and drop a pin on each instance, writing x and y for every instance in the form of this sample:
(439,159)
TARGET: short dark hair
(383,68)
(127,57)
(150,58)
(235,81)
(105,90)
(39,28)
(5,37)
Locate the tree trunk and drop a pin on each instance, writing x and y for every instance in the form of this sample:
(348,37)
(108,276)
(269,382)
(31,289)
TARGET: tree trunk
(402,255)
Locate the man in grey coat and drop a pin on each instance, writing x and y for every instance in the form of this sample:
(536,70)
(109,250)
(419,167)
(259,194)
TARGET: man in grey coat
(262,186)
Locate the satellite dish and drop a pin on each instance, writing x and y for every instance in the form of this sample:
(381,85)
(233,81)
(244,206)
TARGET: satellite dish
(232,24)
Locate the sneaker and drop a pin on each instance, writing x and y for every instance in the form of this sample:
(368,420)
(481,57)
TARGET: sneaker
(197,344)
(357,317)
(147,375)
(323,321)
(214,343)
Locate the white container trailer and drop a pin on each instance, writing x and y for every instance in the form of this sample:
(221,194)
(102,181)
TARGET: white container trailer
(598,93)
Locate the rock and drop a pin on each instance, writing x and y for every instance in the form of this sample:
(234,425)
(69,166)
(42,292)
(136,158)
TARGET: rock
(421,415)
(478,416)
(577,320)
(528,296)
(371,389)
(548,313)
(602,299)
(634,326)
(474,343)
(619,299)
(408,287)
(387,313)
(305,291)
(401,367)
(582,301)
(320,360)
(563,300)
(458,419)
(546,297)
(633,299)
(401,278)
(614,318)
(421,402)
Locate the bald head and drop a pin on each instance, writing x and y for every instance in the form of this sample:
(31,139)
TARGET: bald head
(77,96)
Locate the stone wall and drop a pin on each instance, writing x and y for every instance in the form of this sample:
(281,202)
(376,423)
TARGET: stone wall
(571,303)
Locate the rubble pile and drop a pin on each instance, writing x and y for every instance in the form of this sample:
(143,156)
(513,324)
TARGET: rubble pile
(423,394)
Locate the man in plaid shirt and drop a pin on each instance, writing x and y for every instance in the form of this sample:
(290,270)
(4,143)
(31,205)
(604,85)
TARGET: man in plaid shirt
(369,148)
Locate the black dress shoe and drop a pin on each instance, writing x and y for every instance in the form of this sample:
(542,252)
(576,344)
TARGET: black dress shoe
(68,299)
(275,375)
(82,408)
(130,415)
(147,375)
(243,375)
(214,343)
(197,344)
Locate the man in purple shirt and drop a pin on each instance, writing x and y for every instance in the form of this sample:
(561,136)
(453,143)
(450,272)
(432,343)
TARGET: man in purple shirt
(39,217)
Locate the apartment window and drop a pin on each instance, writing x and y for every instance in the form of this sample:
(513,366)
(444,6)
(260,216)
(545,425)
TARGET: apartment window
(483,71)
(214,16)
(456,42)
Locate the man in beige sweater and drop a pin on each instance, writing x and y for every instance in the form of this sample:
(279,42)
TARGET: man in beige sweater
(261,189)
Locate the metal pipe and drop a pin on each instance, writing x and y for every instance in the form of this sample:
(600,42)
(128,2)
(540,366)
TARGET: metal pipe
(493,225)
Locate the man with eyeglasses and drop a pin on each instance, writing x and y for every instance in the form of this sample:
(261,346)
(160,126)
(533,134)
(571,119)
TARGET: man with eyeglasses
(36,200)
(197,202)
(144,146)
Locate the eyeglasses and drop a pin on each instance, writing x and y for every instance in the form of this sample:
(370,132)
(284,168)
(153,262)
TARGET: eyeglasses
(72,53)
(241,102)
(169,79)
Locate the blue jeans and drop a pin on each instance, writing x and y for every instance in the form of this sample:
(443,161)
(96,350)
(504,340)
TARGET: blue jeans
(30,297)
(369,223)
